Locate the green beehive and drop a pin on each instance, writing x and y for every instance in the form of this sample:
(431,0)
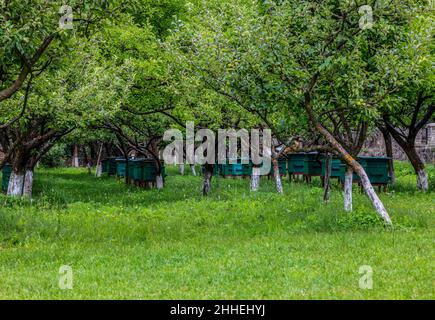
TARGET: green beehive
(377,169)
(105,165)
(121,167)
(216,169)
(149,170)
(343,171)
(129,170)
(335,168)
(282,164)
(6,174)
(232,169)
(313,164)
(296,163)
(111,167)
(247,166)
(135,170)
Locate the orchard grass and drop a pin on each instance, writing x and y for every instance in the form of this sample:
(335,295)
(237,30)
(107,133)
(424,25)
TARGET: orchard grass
(128,243)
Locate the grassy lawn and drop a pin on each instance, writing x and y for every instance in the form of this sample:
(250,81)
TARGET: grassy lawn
(128,243)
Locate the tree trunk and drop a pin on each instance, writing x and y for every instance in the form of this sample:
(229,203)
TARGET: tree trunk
(26,69)
(28,184)
(108,149)
(193,169)
(99,169)
(75,158)
(422,180)
(127,170)
(347,158)
(25,155)
(159,181)
(85,155)
(277,176)
(389,152)
(365,182)
(348,179)
(255,179)
(208,175)
(327,178)
(181,168)
(93,154)
(16,182)
(408,146)
(419,168)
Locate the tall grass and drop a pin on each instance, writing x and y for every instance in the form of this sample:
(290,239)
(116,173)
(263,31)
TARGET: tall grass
(126,242)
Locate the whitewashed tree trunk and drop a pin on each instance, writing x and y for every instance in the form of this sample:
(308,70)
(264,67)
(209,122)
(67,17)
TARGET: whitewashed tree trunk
(255,179)
(365,181)
(15,188)
(422,181)
(75,159)
(277,176)
(348,189)
(159,181)
(278,183)
(99,170)
(181,168)
(28,184)
(193,169)
(11,178)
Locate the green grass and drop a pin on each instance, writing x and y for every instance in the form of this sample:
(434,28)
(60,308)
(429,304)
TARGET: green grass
(128,243)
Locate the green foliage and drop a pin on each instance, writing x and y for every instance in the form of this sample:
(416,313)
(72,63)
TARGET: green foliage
(24,25)
(431,177)
(73,94)
(56,157)
(264,56)
(161,15)
(407,68)
(63,82)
